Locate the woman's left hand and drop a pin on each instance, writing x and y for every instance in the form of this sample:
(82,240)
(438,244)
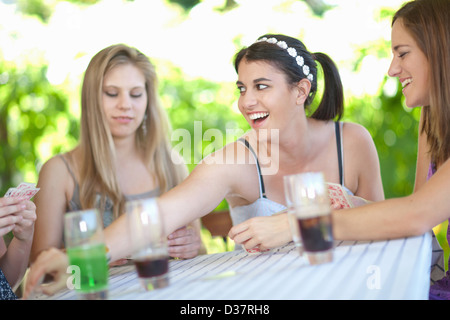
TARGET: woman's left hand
(184,243)
(262,232)
(52,262)
(24,229)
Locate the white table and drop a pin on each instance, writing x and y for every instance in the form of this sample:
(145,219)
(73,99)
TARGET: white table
(394,269)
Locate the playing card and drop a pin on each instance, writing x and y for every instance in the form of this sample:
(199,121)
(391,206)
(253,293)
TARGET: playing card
(26,186)
(338,196)
(24,190)
(10,192)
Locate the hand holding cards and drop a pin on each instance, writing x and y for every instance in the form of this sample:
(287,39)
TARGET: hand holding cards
(339,198)
(23,190)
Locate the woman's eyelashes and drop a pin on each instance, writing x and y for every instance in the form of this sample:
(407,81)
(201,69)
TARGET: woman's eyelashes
(114,94)
(259,86)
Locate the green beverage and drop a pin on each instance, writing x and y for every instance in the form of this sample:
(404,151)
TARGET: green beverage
(91,259)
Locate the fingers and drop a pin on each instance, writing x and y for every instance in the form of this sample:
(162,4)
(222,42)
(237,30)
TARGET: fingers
(336,206)
(184,243)
(184,252)
(29,212)
(36,273)
(10,206)
(262,232)
(10,220)
(178,233)
(8,201)
(52,288)
(182,236)
(24,228)
(50,262)
(240,232)
(14,210)
(6,229)
(119,262)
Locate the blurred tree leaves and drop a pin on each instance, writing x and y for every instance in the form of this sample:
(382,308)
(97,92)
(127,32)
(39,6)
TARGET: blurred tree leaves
(33,115)
(200,106)
(43,9)
(318,7)
(394,131)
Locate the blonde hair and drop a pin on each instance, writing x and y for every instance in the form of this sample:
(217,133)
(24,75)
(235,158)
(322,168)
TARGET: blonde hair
(429,24)
(97,171)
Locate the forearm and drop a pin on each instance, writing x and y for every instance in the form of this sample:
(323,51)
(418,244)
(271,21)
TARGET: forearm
(117,240)
(15,262)
(389,219)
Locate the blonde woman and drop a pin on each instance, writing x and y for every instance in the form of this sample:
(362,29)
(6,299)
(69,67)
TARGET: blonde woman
(124,152)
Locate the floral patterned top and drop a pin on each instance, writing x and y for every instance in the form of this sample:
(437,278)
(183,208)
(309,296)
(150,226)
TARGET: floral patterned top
(440,288)
(6,292)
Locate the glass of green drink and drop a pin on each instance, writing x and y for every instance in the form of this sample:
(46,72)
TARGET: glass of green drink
(149,245)
(83,234)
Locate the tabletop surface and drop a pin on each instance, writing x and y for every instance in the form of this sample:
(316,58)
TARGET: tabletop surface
(393,269)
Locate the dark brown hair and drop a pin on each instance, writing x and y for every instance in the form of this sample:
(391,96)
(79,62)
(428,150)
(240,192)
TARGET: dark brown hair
(428,22)
(332,103)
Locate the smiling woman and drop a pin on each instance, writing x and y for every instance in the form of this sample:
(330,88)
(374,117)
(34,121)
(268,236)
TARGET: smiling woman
(410,65)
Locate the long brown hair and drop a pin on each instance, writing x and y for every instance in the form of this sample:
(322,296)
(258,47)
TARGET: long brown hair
(428,21)
(97,171)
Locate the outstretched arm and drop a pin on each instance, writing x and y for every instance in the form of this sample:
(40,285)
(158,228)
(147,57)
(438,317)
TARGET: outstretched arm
(199,194)
(400,217)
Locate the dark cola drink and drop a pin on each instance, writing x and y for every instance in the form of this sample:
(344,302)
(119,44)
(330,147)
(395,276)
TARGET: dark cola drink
(316,233)
(151,266)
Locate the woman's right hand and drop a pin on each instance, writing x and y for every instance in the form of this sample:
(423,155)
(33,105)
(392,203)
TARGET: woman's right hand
(10,213)
(52,262)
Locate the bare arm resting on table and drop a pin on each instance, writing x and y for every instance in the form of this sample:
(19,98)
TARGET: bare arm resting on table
(196,196)
(401,217)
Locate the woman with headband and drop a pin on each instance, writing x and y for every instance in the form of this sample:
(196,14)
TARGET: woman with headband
(277,81)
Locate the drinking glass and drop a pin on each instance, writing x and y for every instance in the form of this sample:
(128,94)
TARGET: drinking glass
(149,245)
(289,194)
(311,203)
(83,234)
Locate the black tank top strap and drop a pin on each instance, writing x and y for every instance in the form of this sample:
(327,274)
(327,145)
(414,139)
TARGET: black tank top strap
(339,151)
(261,181)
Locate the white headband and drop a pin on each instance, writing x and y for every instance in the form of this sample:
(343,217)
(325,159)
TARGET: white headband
(293,53)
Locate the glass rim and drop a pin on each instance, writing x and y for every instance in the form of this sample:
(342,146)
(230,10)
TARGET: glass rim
(78,212)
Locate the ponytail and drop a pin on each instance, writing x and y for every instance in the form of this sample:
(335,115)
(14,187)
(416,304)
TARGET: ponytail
(332,104)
